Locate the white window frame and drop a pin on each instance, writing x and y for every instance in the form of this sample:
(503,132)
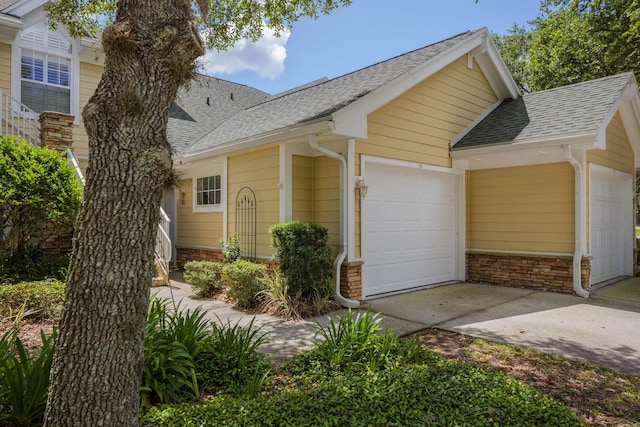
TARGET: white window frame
(207,171)
(74,65)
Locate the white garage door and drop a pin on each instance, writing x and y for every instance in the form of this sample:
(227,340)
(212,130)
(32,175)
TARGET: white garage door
(408,228)
(611,230)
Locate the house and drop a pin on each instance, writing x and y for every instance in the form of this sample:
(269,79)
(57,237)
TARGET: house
(426,168)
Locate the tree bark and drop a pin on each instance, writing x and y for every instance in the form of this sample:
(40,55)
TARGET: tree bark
(150,50)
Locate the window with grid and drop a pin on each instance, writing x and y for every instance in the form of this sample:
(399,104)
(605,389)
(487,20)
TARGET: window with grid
(209,191)
(45,71)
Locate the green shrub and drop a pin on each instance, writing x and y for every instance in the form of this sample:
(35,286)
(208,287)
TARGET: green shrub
(24,380)
(39,194)
(305,257)
(173,338)
(43,299)
(204,277)
(231,248)
(33,265)
(230,360)
(243,278)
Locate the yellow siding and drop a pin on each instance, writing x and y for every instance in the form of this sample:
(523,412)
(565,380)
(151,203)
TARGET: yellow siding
(5,67)
(200,229)
(528,208)
(260,171)
(89,78)
(419,125)
(619,154)
(326,197)
(302,197)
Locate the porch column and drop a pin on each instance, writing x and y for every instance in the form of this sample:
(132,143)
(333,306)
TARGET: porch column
(56,130)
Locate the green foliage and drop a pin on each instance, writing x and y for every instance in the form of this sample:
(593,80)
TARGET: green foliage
(231,248)
(276,298)
(446,393)
(39,194)
(204,277)
(243,278)
(173,338)
(24,379)
(305,257)
(355,344)
(231,362)
(573,41)
(32,265)
(42,299)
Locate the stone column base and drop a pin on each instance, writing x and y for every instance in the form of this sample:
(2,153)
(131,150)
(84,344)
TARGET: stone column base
(351,280)
(184,254)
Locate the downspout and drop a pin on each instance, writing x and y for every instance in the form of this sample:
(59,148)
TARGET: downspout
(579,221)
(313,143)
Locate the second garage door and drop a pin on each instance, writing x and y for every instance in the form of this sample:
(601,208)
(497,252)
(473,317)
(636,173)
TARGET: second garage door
(409,228)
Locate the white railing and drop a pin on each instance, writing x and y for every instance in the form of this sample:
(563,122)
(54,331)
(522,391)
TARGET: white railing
(18,119)
(163,241)
(73,161)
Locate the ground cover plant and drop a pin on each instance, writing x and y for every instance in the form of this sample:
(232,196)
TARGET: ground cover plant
(357,376)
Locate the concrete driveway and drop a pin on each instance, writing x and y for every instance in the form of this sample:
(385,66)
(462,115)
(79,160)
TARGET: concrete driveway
(604,329)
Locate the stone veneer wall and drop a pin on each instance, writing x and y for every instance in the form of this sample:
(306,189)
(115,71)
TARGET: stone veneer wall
(185,254)
(538,272)
(351,280)
(56,132)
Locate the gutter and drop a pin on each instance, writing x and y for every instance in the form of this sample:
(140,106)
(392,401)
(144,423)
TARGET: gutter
(313,143)
(579,221)
(10,21)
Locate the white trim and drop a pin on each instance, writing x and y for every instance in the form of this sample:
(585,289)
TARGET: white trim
(208,208)
(225,190)
(25,6)
(351,202)
(604,169)
(286,183)
(507,252)
(630,90)
(364,158)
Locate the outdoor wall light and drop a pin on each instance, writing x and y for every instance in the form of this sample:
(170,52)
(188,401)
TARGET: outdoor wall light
(362,186)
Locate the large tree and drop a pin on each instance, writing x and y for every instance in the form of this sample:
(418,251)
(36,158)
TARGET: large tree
(150,48)
(574,40)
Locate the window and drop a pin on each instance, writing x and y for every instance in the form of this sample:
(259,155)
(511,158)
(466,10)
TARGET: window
(44,79)
(209,191)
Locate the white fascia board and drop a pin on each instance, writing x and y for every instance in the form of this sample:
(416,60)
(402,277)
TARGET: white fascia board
(25,6)
(497,72)
(629,91)
(579,138)
(257,141)
(630,114)
(10,22)
(351,121)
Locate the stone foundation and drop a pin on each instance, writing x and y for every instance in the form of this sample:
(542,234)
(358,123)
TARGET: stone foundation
(537,272)
(185,254)
(351,280)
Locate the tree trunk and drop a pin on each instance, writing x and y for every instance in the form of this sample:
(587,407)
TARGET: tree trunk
(150,51)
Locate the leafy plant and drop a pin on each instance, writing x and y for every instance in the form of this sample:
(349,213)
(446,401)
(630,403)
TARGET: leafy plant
(32,264)
(232,249)
(304,256)
(204,277)
(276,298)
(230,360)
(173,338)
(39,194)
(42,299)
(244,279)
(24,379)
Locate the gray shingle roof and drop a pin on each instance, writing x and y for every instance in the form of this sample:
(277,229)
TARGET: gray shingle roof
(6,3)
(319,100)
(564,110)
(208,102)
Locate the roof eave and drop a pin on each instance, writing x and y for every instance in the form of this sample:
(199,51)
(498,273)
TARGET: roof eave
(11,22)
(257,141)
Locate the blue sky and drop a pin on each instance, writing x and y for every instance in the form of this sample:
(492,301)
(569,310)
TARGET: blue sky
(362,34)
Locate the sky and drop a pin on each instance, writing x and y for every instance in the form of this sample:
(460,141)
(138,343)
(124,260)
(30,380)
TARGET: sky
(350,38)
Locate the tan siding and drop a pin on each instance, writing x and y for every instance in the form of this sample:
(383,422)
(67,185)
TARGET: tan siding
(5,67)
(260,171)
(200,229)
(326,197)
(89,78)
(419,125)
(619,154)
(302,197)
(529,208)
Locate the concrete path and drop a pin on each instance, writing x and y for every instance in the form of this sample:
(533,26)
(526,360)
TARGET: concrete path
(604,329)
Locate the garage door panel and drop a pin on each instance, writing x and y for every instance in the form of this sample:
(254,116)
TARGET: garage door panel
(408,228)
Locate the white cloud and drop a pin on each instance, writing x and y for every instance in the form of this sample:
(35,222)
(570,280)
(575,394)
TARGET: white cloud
(265,57)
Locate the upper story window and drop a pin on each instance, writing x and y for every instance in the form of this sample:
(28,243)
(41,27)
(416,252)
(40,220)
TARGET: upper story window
(44,81)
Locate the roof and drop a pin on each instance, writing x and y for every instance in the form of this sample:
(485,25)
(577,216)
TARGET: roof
(204,105)
(316,101)
(573,109)
(6,3)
